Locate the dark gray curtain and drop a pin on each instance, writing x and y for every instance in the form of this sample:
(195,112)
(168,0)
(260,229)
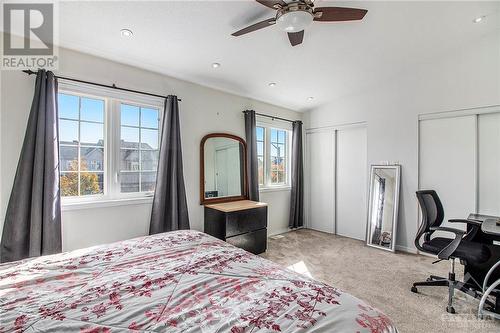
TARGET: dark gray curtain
(33,219)
(170,211)
(297,195)
(252,163)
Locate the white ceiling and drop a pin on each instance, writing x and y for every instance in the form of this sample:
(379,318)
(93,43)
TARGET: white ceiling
(183,38)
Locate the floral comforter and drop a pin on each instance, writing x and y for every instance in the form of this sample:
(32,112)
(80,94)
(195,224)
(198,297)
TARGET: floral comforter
(183,281)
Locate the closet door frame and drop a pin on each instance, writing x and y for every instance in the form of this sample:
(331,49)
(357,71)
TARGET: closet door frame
(328,129)
(476,112)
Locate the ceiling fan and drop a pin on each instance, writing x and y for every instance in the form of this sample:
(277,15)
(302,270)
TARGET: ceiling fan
(295,16)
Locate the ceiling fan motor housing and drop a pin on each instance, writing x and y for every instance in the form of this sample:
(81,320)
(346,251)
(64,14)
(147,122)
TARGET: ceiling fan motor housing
(295,17)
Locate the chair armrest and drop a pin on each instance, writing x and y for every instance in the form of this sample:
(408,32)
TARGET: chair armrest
(457,232)
(471,222)
(447,251)
(474,225)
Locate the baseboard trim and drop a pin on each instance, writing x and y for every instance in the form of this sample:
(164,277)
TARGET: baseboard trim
(278,232)
(399,248)
(406,249)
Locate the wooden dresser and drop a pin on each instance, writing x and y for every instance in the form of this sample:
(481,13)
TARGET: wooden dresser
(241,223)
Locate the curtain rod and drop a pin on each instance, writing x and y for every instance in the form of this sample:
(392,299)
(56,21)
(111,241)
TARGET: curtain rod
(273,117)
(30,72)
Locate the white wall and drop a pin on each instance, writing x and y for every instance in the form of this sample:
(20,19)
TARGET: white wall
(488,128)
(203,110)
(465,78)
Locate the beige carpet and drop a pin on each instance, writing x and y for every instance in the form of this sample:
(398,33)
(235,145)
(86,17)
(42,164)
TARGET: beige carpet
(382,279)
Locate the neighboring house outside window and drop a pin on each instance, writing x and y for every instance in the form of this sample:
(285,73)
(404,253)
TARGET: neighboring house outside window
(108,144)
(138,148)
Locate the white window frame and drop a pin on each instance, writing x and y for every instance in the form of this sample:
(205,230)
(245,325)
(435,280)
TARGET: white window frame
(278,125)
(112,195)
(264,157)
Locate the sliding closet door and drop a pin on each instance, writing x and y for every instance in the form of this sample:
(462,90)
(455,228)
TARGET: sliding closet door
(351,182)
(447,163)
(489,164)
(321,173)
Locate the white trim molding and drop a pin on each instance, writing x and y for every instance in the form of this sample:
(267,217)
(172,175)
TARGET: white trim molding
(336,127)
(274,189)
(406,249)
(460,112)
(279,231)
(106,203)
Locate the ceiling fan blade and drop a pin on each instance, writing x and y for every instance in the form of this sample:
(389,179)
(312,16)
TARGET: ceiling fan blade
(331,14)
(296,37)
(272,3)
(256,26)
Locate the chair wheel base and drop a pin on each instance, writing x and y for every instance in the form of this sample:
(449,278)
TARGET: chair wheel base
(414,289)
(450,309)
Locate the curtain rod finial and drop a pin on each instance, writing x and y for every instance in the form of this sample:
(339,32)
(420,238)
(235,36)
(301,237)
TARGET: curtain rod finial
(29,71)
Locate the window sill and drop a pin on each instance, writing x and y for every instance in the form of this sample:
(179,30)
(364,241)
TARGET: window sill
(69,206)
(275,189)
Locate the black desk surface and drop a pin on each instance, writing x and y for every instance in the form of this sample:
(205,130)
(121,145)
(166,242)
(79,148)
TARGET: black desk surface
(489,224)
(480,217)
(491,227)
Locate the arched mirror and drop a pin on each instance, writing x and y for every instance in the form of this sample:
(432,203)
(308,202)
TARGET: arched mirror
(222,168)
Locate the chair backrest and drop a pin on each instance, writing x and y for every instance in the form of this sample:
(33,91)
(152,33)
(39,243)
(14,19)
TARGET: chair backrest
(432,214)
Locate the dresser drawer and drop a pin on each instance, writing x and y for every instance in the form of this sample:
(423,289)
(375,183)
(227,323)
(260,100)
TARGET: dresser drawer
(243,221)
(254,241)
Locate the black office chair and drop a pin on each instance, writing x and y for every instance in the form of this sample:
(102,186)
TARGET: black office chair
(446,248)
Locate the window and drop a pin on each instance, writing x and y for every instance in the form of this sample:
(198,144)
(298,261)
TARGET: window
(260,153)
(108,145)
(272,156)
(81,137)
(278,154)
(138,148)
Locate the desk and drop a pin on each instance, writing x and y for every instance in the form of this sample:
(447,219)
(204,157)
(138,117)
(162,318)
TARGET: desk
(480,217)
(477,272)
(490,227)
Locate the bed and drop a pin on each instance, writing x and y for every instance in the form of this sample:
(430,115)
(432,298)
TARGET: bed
(182,281)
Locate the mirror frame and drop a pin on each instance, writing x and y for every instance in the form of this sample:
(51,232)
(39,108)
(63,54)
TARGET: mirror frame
(244,195)
(396,167)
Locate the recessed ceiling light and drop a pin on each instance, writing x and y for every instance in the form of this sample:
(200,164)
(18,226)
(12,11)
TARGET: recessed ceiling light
(478,19)
(272,84)
(310,98)
(215,65)
(126,33)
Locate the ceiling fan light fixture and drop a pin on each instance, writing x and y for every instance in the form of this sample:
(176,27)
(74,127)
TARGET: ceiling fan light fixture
(294,21)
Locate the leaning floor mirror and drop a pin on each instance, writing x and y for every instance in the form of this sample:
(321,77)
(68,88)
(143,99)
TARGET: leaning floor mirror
(383,206)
